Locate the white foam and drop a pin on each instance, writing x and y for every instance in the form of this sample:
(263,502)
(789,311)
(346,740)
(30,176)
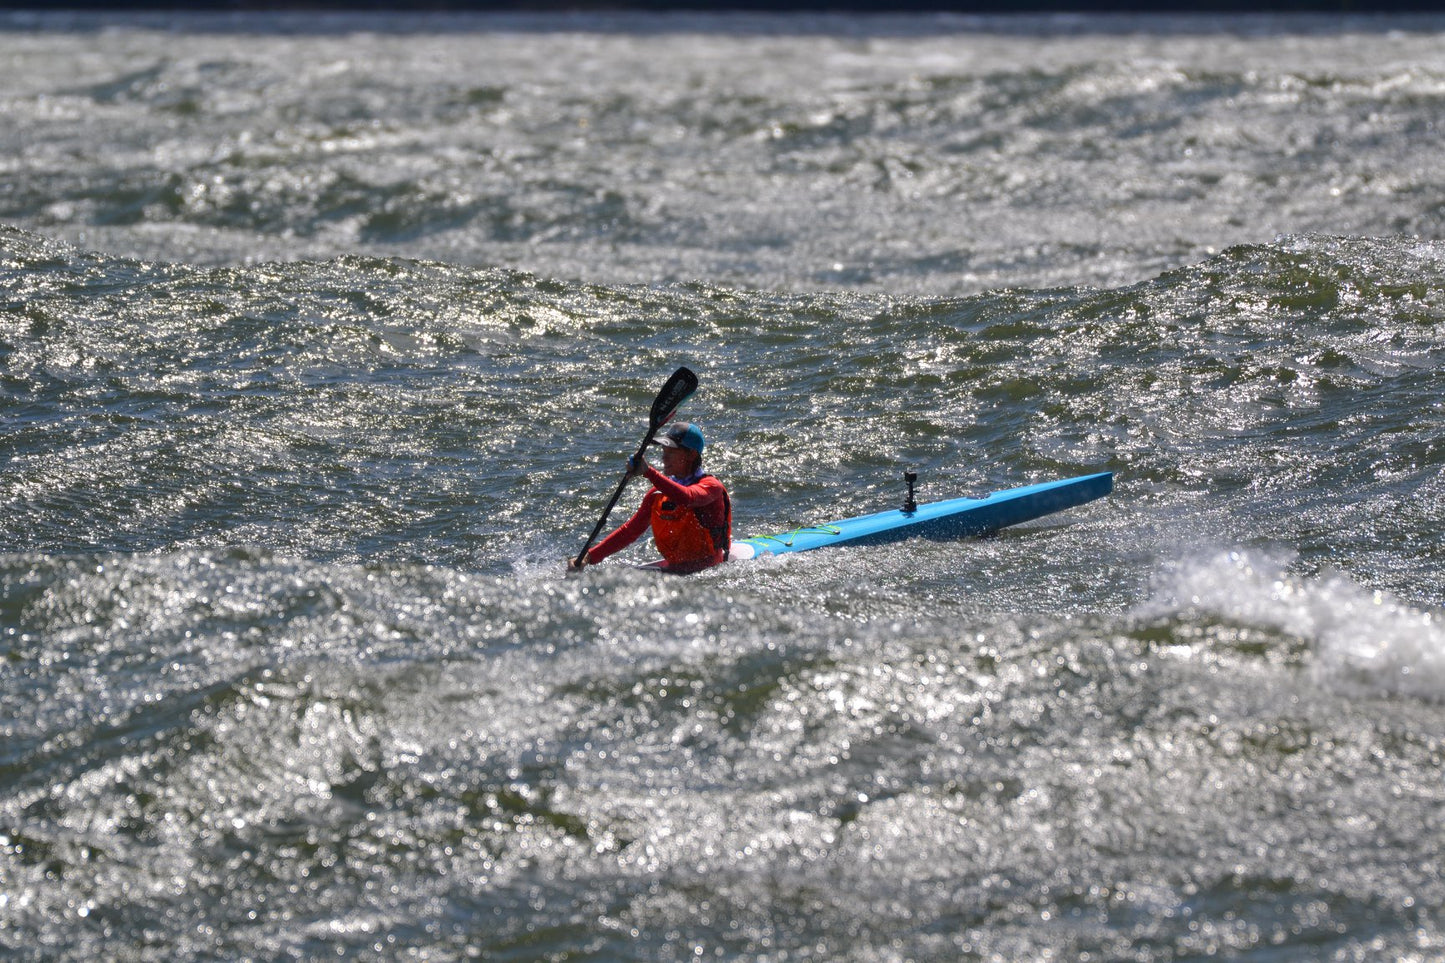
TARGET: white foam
(1364,642)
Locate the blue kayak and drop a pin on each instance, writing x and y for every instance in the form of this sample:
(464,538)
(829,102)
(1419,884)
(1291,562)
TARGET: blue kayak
(955,518)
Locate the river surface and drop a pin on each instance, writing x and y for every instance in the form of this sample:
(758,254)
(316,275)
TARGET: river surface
(323,340)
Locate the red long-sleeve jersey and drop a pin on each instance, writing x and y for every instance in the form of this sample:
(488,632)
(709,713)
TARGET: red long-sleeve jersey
(705,495)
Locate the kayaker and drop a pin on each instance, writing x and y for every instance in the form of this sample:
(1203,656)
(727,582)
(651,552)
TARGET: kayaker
(687,509)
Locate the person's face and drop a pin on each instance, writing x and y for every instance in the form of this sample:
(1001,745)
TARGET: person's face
(677,462)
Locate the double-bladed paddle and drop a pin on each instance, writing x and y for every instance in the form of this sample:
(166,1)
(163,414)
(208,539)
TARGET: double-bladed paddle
(677,390)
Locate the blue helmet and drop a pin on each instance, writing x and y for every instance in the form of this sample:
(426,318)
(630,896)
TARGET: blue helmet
(683,434)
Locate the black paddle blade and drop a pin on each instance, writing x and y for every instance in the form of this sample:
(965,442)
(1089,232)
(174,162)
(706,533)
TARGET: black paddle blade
(677,390)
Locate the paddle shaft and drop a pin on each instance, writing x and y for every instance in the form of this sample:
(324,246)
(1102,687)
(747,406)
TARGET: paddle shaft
(641,452)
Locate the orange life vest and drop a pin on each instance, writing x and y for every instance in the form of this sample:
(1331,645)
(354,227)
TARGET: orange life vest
(684,540)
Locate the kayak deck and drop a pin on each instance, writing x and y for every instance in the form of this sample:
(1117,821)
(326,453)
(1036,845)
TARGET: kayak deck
(945,520)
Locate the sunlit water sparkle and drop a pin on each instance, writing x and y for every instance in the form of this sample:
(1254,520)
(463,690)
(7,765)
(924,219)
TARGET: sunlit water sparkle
(323,343)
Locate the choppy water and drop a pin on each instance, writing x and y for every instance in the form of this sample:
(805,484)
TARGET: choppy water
(323,341)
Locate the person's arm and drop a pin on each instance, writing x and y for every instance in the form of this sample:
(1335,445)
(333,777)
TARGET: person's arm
(704,492)
(626,533)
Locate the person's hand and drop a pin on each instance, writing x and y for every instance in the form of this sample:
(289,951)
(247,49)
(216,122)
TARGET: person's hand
(635,466)
(574,566)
